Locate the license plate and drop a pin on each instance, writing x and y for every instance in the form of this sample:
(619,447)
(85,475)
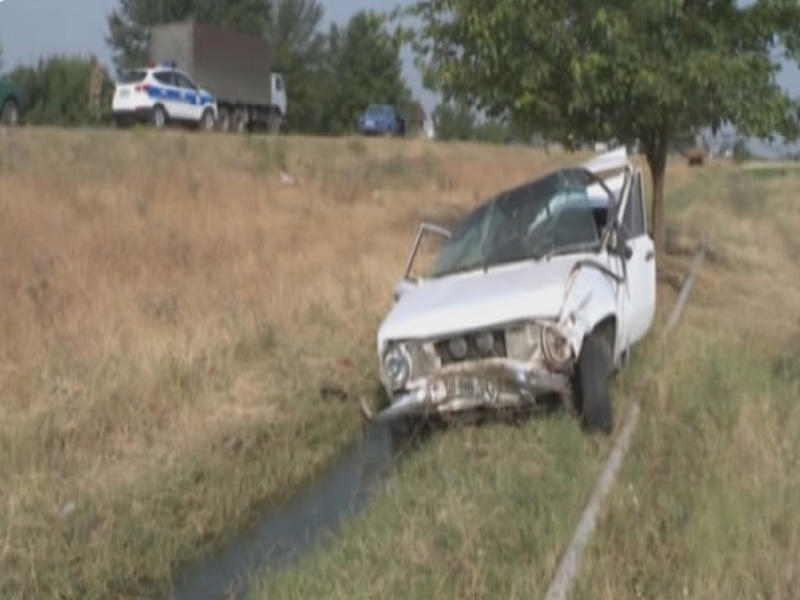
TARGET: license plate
(465,388)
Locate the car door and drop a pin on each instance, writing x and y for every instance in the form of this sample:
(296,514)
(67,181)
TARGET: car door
(641,266)
(168,93)
(192,107)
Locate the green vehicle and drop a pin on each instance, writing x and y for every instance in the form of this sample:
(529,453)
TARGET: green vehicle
(9,103)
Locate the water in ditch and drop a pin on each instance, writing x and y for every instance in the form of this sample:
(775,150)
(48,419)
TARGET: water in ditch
(292,527)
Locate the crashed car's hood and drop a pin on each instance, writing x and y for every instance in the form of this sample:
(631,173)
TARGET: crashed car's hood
(478,299)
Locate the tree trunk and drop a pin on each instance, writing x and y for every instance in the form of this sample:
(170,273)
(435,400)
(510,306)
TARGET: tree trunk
(657,161)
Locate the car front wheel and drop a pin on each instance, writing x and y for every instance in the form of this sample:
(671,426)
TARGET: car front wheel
(593,399)
(9,115)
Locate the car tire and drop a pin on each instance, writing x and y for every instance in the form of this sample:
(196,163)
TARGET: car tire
(207,121)
(159,117)
(9,115)
(274,123)
(240,124)
(224,120)
(592,396)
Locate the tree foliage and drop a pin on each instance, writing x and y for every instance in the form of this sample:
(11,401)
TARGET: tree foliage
(637,71)
(454,121)
(128,24)
(364,67)
(56,91)
(299,53)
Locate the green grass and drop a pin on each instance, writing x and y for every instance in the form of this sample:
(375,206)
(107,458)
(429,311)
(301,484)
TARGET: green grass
(474,512)
(707,504)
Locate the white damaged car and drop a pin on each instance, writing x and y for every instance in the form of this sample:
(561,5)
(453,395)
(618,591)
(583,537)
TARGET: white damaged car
(539,295)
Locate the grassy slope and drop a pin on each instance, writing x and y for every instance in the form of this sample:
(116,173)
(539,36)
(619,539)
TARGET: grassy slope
(170,311)
(707,503)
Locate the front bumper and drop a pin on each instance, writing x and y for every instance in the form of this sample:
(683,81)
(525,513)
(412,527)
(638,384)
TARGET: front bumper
(506,384)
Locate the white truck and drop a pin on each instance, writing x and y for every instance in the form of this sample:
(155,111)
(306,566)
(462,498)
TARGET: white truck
(234,67)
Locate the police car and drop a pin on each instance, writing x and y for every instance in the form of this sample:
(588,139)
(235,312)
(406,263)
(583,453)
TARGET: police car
(162,94)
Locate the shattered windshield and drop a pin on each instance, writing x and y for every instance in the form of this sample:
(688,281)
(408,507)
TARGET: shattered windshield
(549,216)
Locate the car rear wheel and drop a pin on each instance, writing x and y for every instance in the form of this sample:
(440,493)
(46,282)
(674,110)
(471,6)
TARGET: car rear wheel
(159,117)
(10,113)
(207,121)
(592,396)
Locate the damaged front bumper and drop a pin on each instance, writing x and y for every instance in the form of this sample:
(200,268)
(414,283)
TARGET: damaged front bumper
(493,384)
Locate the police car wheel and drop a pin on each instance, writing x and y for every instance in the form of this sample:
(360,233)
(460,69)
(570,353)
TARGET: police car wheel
(207,121)
(159,117)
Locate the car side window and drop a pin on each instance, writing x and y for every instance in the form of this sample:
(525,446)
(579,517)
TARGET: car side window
(279,84)
(184,81)
(165,77)
(633,218)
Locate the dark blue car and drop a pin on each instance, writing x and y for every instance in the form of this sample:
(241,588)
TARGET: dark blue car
(381,119)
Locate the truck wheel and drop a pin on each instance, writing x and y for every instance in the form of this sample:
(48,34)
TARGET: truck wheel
(10,113)
(592,398)
(240,120)
(274,123)
(159,117)
(207,121)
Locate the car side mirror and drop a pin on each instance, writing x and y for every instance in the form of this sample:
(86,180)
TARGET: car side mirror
(618,244)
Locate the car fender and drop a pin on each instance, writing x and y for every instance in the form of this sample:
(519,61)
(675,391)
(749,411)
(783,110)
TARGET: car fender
(590,298)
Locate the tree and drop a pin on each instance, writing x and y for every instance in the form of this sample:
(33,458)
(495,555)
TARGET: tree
(454,121)
(56,91)
(298,52)
(365,67)
(128,25)
(634,70)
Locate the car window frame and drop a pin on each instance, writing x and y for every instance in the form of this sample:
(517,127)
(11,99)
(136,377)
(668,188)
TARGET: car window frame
(635,224)
(169,74)
(191,84)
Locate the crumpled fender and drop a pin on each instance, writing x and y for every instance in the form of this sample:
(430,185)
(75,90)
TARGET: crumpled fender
(590,297)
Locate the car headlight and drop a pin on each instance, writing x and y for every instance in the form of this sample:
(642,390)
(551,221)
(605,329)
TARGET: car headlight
(458,348)
(555,347)
(396,367)
(485,342)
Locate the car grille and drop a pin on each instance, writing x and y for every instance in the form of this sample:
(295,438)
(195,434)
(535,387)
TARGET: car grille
(473,352)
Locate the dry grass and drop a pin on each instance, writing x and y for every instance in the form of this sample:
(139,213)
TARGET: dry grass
(707,504)
(170,310)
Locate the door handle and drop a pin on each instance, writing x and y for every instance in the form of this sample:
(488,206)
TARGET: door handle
(651,254)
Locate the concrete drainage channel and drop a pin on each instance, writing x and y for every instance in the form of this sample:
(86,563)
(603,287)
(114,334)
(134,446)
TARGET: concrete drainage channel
(345,489)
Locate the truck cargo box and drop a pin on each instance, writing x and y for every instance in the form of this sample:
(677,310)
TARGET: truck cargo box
(233,66)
